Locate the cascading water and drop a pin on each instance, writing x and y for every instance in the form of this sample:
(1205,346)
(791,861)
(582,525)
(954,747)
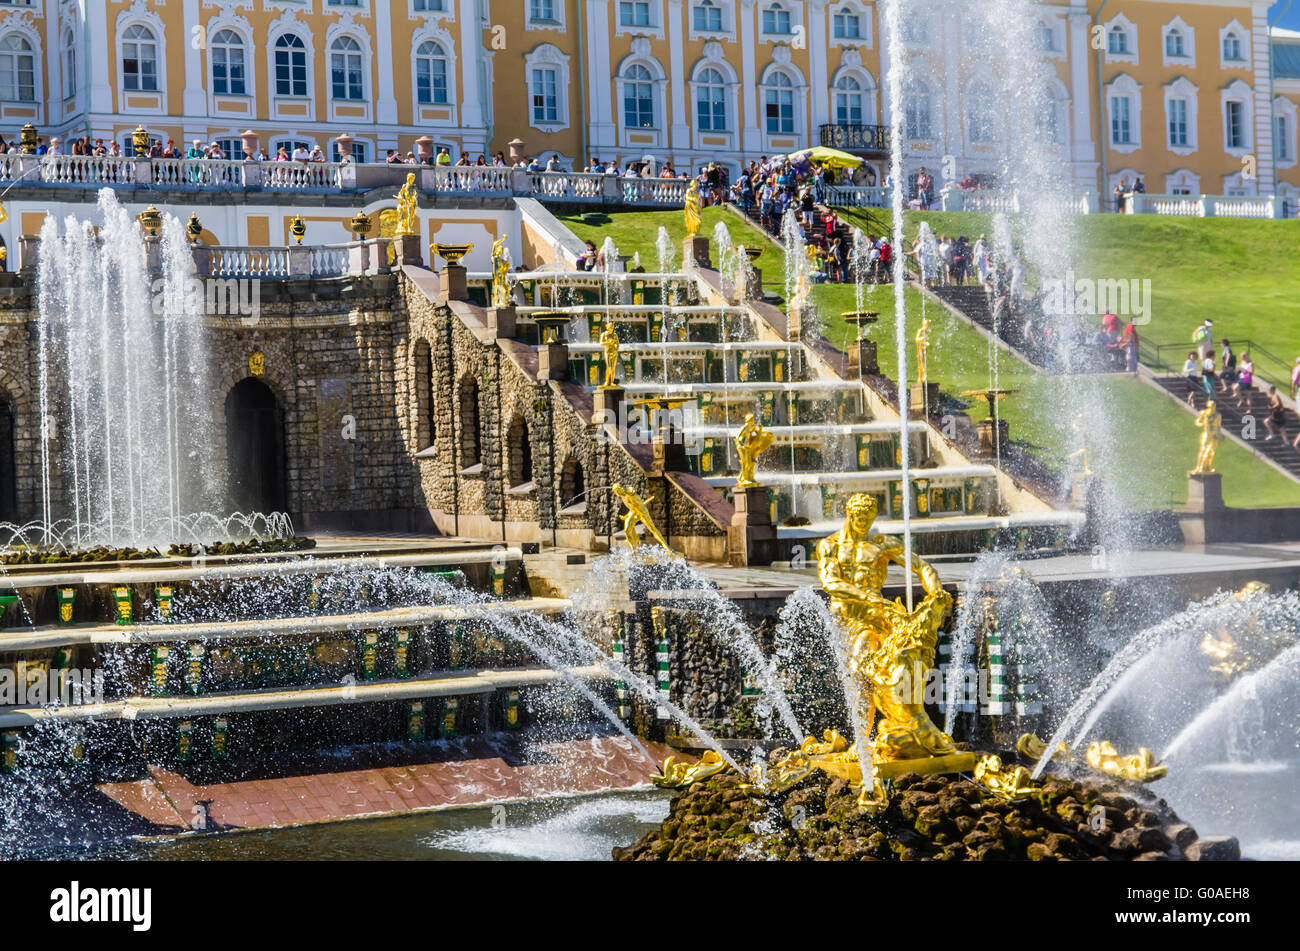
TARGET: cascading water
(133,386)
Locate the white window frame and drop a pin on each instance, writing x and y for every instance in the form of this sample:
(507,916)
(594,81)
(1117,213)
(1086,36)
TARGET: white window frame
(930,102)
(1243,42)
(1126,87)
(865,23)
(1287,109)
(160,60)
(361,52)
(655,27)
(1183,178)
(448,9)
(1130,30)
(996,133)
(867,89)
(728,31)
(728,94)
(444,42)
(306,52)
(548,56)
(214,30)
(555,25)
(34,51)
(1189,44)
(1241,92)
(288,23)
(658,98)
(1182,89)
(786,6)
(1056,98)
(68,61)
(1054,24)
(798,93)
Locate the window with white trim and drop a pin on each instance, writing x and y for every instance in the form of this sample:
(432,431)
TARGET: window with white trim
(846,25)
(139,59)
(227,52)
(1282,130)
(849,104)
(290,65)
(69,64)
(233,149)
(360,152)
(1177,110)
(776,20)
(428,6)
(1046,37)
(1232,48)
(431,74)
(638,98)
(1175,44)
(916,110)
(346,75)
(541,11)
(1234,124)
(17,69)
(711,101)
(546,99)
(708,17)
(1121,120)
(635,13)
(980,125)
(779,104)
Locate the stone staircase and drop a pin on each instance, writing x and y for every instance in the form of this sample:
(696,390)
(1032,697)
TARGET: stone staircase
(1278,452)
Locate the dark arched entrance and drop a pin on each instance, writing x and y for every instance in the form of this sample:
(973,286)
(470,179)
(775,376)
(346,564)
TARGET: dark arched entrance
(8,466)
(255,447)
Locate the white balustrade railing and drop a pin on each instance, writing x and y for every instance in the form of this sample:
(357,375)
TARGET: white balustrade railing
(329,260)
(87,170)
(473,179)
(256,262)
(300,176)
(10,168)
(857,196)
(654,191)
(197,173)
(571,186)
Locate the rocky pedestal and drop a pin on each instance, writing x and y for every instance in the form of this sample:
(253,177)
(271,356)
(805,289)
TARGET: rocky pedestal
(406,247)
(751,537)
(501,320)
(453,283)
(553,361)
(923,398)
(695,252)
(862,357)
(607,404)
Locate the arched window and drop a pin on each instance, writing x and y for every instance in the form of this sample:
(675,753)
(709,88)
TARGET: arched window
(846,25)
(638,99)
(69,64)
(17,69)
(228,64)
(519,453)
(345,69)
(431,73)
(916,111)
(708,17)
(290,65)
(467,400)
(425,427)
(848,101)
(572,484)
(139,59)
(980,113)
(776,19)
(711,101)
(1232,47)
(1117,40)
(780,104)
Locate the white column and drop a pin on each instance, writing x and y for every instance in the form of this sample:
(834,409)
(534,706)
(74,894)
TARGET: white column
(680,141)
(1083,150)
(1261,56)
(385,62)
(194,100)
(602,132)
(53,79)
(751,133)
(818,76)
(954,131)
(94,56)
(471,51)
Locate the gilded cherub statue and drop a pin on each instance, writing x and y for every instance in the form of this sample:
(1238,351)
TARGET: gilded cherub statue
(407,201)
(886,642)
(694,216)
(500,273)
(609,341)
(751,442)
(638,513)
(1211,426)
(1080,425)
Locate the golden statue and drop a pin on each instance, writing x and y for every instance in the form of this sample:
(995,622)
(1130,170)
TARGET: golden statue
(500,273)
(609,340)
(751,442)
(922,351)
(1010,784)
(638,513)
(694,217)
(407,199)
(1248,645)
(675,775)
(1211,426)
(887,645)
(4,215)
(1141,767)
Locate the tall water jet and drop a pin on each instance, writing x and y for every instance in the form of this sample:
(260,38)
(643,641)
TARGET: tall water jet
(123,315)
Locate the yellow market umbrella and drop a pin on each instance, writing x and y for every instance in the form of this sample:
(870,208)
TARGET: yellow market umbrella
(827,156)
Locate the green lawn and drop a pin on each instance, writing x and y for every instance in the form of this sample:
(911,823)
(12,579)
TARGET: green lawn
(1151,442)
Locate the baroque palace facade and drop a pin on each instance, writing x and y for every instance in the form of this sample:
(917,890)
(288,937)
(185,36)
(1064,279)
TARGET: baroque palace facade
(1184,94)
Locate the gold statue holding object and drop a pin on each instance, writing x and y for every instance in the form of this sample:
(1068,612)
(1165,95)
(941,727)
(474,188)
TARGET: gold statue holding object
(887,644)
(1211,425)
(638,513)
(923,352)
(407,202)
(609,341)
(500,273)
(694,216)
(751,442)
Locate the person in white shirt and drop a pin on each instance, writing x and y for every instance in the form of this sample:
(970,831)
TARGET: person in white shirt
(316,155)
(300,154)
(54,147)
